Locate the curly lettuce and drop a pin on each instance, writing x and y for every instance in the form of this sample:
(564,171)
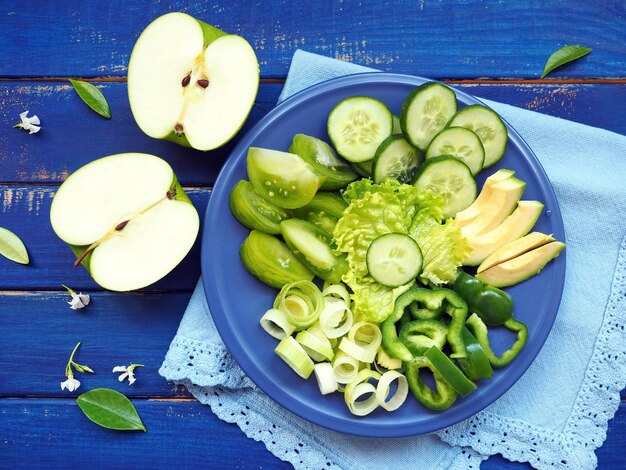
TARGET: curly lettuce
(377,209)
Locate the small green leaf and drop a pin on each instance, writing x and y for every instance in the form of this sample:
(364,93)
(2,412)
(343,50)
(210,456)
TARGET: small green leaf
(12,247)
(110,409)
(563,56)
(93,97)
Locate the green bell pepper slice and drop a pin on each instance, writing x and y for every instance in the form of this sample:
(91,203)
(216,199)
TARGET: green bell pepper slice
(476,365)
(478,328)
(454,306)
(492,305)
(449,372)
(440,399)
(419,335)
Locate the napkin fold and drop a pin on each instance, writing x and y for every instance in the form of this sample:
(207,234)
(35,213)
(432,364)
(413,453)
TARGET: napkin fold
(556,415)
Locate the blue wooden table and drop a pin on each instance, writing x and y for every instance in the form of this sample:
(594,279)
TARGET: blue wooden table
(494,50)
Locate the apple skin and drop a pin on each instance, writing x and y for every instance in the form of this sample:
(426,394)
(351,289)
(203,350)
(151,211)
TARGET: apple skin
(210,34)
(180,196)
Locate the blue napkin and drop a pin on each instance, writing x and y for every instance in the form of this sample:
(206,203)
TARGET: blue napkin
(556,415)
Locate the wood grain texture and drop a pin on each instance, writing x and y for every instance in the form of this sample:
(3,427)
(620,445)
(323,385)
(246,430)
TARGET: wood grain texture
(438,39)
(25,210)
(180,435)
(73,135)
(114,330)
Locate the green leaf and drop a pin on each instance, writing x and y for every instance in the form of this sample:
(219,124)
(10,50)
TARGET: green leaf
(110,409)
(563,56)
(93,97)
(12,247)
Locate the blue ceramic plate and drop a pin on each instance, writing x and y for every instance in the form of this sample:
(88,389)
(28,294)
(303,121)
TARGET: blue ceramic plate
(237,300)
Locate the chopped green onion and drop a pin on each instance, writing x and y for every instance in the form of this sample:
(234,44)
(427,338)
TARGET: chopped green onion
(276,324)
(383,388)
(325,378)
(345,368)
(318,348)
(335,318)
(360,387)
(292,353)
(301,302)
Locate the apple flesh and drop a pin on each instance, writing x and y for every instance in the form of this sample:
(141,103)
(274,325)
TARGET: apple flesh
(190,82)
(126,218)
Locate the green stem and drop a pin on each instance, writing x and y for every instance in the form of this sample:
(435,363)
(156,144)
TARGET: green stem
(68,369)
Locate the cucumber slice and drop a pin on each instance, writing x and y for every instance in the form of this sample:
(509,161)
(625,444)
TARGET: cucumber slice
(396,128)
(395,158)
(425,113)
(363,168)
(460,143)
(394,259)
(357,126)
(489,128)
(451,178)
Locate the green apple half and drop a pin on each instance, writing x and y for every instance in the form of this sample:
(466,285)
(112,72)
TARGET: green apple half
(126,218)
(190,82)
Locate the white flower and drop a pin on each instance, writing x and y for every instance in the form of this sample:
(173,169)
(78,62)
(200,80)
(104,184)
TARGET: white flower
(30,124)
(127,372)
(71,384)
(79,300)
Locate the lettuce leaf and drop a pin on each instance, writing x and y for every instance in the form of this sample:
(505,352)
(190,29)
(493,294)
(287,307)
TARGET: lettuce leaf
(443,247)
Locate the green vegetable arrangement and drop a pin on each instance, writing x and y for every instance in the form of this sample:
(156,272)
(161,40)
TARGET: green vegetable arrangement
(395,302)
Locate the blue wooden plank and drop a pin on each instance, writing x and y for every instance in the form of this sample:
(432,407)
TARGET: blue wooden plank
(115,329)
(438,39)
(25,210)
(73,135)
(180,434)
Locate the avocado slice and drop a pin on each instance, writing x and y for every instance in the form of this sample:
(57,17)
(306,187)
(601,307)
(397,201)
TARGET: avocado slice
(504,197)
(521,268)
(467,215)
(515,226)
(515,248)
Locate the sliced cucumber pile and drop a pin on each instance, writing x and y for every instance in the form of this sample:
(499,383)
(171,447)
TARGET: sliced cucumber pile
(357,126)
(451,178)
(395,158)
(460,143)
(425,113)
(489,128)
(394,259)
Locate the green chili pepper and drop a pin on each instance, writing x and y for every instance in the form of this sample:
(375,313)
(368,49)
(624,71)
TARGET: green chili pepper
(480,331)
(492,305)
(455,306)
(449,372)
(419,335)
(441,399)
(476,365)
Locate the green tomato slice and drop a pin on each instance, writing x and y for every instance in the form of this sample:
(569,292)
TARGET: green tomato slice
(282,178)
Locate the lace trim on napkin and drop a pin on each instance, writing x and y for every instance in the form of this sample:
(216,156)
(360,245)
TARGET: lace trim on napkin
(586,428)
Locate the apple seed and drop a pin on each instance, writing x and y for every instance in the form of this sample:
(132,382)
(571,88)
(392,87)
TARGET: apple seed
(119,227)
(203,83)
(186,80)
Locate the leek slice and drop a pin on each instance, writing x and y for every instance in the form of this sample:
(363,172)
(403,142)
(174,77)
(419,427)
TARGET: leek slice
(336,291)
(384,386)
(292,353)
(335,318)
(301,302)
(316,346)
(361,350)
(389,363)
(359,388)
(325,378)
(276,324)
(345,368)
